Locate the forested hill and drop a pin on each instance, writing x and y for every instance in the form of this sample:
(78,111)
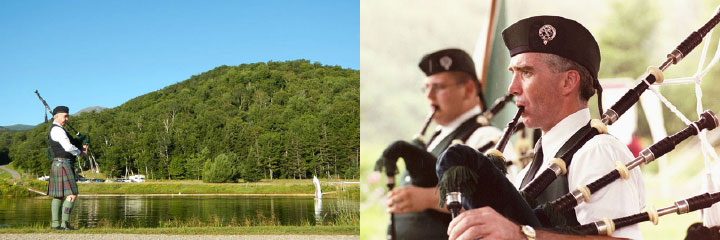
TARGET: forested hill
(290,119)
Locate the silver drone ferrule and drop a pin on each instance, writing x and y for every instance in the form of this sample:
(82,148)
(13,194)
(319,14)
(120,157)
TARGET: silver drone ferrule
(676,56)
(602,228)
(453,197)
(648,155)
(610,117)
(578,195)
(683,206)
(556,168)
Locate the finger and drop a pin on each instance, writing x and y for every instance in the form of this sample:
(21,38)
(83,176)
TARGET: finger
(468,219)
(391,193)
(458,219)
(454,222)
(454,229)
(393,204)
(471,233)
(395,199)
(392,209)
(404,206)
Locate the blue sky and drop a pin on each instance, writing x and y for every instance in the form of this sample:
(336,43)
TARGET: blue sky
(104,53)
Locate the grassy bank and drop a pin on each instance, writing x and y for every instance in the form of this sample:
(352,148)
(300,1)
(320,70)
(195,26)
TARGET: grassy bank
(10,188)
(333,188)
(346,223)
(241,230)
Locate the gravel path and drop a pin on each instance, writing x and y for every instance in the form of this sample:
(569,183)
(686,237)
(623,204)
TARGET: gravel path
(54,236)
(12,172)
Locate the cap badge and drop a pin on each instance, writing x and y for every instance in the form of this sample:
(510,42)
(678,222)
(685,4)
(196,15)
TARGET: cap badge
(546,33)
(446,62)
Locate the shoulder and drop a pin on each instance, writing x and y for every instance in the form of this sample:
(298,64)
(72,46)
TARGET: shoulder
(483,135)
(604,141)
(488,133)
(56,130)
(488,130)
(604,147)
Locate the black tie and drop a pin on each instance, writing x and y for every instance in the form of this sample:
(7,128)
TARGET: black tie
(535,165)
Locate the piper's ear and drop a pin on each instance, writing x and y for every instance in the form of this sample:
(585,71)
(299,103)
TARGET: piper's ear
(570,82)
(470,88)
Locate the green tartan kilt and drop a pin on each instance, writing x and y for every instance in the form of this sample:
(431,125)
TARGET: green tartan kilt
(62,179)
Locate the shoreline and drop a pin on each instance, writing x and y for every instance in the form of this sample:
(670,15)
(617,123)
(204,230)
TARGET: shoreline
(195,194)
(27,236)
(285,231)
(287,188)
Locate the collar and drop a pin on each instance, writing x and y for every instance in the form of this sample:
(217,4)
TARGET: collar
(553,140)
(459,120)
(446,130)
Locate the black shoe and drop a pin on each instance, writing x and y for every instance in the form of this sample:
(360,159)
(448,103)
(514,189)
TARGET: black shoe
(68,227)
(57,228)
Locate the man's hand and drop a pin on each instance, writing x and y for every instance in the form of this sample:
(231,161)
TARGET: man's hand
(483,223)
(411,199)
(84,151)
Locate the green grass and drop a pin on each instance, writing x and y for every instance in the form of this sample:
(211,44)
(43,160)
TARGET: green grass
(241,230)
(345,224)
(10,188)
(4,174)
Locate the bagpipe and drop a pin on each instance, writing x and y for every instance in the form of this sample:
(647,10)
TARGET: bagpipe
(458,180)
(467,180)
(80,140)
(423,163)
(471,179)
(608,226)
(419,163)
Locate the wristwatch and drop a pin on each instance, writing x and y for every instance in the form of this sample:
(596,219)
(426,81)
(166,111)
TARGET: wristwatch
(528,231)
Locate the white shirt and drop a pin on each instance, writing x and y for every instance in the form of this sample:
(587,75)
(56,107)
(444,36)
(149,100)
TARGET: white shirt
(595,159)
(479,138)
(58,135)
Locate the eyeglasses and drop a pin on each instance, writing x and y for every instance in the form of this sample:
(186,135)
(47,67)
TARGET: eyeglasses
(435,87)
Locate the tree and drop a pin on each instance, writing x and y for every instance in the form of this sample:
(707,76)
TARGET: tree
(219,170)
(177,168)
(252,167)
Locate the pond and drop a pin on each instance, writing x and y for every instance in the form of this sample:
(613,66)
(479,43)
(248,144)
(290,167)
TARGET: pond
(162,211)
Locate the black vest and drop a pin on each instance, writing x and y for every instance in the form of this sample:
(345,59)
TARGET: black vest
(56,149)
(560,186)
(431,224)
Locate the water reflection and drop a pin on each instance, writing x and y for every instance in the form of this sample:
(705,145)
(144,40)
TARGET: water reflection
(318,210)
(155,211)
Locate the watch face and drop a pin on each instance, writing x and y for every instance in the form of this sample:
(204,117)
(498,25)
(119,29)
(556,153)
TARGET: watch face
(528,231)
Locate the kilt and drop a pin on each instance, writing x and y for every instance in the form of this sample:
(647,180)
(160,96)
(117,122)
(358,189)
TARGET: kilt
(62,178)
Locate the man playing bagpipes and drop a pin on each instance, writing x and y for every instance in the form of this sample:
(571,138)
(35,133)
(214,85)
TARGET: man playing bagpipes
(64,149)
(555,63)
(454,93)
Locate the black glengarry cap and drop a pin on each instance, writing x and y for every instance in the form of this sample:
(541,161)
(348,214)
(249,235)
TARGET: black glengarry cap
(451,59)
(61,109)
(556,35)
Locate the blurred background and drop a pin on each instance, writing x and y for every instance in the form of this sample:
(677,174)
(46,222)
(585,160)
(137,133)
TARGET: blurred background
(633,35)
